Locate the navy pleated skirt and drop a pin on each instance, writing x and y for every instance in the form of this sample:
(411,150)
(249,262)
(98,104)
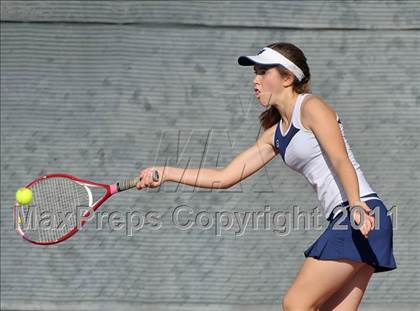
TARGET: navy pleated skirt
(349,243)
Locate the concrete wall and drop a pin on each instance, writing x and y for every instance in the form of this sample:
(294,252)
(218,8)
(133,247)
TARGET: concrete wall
(103,89)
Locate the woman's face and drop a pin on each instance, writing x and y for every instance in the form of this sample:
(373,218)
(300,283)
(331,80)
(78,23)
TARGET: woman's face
(267,84)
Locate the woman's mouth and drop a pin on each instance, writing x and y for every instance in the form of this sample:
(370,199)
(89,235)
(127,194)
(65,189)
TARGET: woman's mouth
(257,93)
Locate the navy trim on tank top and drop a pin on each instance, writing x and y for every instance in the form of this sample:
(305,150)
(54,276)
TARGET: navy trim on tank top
(283,141)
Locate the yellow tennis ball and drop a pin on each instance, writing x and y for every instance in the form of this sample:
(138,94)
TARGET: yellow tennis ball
(24,196)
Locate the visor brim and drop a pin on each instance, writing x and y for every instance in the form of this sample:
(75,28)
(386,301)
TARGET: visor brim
(254,60)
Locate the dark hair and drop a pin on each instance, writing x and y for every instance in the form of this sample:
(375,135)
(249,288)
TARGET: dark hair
(271,116)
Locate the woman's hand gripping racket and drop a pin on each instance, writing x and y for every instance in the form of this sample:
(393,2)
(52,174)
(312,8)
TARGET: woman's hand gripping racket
(61,204)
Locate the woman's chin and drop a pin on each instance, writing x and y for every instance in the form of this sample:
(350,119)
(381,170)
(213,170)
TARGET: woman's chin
(263,104)
(263,100)
(260,101)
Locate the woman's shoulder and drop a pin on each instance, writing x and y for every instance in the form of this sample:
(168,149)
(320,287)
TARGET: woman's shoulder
(314,98)
(315,108)
(268,134)
(271,130)
(313,104)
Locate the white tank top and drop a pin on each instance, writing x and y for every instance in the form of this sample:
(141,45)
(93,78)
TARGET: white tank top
(301,152)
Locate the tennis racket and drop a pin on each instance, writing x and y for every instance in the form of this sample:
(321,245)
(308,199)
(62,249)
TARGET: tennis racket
(61,204)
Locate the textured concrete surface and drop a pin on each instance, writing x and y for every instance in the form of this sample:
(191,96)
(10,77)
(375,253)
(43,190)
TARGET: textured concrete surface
(102,89)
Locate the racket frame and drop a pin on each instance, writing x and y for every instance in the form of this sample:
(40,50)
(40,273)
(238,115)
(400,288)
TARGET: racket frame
(110,190)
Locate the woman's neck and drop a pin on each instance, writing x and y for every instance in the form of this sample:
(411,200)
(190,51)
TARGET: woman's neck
(285,104)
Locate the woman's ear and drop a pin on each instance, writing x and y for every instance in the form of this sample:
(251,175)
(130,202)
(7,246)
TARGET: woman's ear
(288,80)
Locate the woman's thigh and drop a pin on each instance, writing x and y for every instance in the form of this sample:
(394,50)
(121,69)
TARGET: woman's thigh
(350,295)
(318,280)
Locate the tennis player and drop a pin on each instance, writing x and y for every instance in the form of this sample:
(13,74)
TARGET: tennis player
(309,136)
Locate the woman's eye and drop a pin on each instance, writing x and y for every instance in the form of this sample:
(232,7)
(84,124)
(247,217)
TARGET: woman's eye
(260,72)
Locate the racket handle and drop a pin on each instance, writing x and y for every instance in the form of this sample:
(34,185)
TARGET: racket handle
(131,183)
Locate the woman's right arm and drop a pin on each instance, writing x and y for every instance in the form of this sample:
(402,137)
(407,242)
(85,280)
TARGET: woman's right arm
(243,165)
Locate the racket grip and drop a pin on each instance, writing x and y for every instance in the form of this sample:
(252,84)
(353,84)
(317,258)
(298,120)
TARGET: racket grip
(131,183)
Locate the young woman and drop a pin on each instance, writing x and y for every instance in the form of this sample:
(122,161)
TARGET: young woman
(309,136)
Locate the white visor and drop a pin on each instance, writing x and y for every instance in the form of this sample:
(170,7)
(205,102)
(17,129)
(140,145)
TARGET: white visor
(270,57)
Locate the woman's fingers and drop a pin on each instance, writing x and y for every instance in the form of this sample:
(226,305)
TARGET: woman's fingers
(140,184)
(370,218)
(369,224)
(361,214)
(372,222)
(366,228)
(150,178)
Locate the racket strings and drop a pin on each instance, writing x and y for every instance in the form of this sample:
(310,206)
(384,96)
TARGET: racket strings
(56,207)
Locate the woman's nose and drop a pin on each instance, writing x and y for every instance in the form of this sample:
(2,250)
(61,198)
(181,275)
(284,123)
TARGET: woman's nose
(256,80)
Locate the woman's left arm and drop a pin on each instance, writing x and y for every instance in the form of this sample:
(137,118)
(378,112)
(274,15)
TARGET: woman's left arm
(321,119)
